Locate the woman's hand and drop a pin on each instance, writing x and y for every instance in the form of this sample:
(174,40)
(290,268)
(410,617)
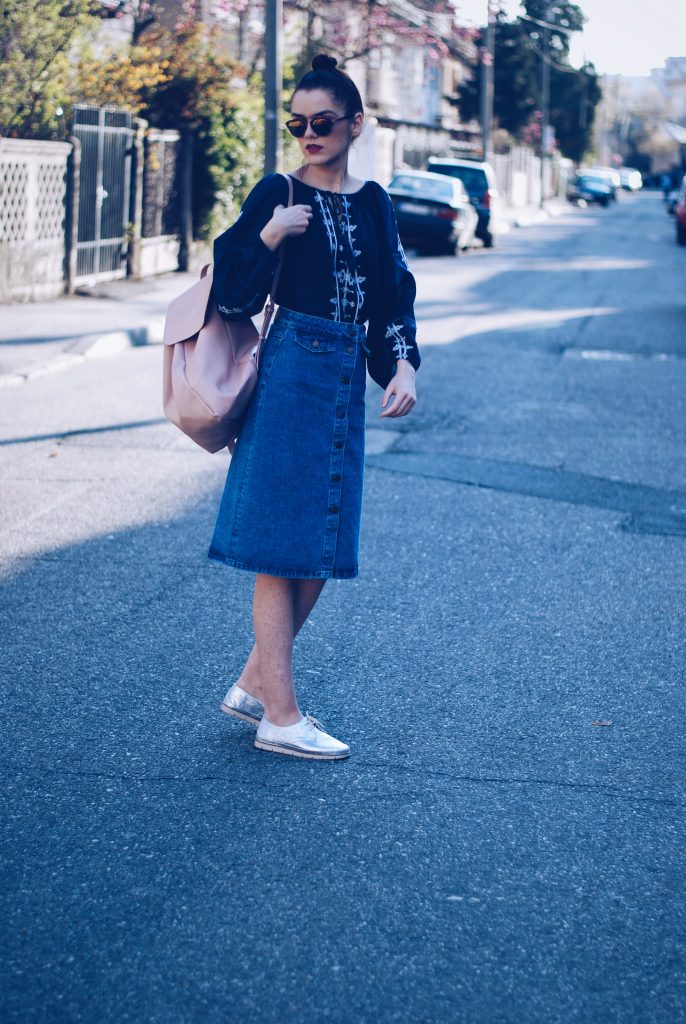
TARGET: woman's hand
(286,220)
(403,387)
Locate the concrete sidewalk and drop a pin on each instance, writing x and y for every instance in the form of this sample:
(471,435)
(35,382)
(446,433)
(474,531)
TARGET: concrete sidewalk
(40,337)
(525,216)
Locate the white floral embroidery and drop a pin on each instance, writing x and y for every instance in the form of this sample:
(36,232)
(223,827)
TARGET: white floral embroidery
(349,292)
(401,253)
(333,246)
(236,310)
(328,221)
(400,344)
(356,281)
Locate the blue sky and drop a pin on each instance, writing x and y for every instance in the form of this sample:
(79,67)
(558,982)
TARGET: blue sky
(621,37)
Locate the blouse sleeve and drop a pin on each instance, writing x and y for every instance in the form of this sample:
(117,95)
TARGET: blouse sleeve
(392,332)
(243,265)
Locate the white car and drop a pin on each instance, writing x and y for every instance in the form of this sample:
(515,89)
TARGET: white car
(611,173)
(631,179)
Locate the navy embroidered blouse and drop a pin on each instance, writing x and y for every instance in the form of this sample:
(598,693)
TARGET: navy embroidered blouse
(349,265)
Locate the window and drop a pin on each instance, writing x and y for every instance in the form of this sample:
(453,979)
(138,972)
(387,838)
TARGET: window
(424,187)
(473,178)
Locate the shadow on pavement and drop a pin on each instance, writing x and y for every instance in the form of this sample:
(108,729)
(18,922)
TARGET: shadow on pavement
(158,868)
(63,435)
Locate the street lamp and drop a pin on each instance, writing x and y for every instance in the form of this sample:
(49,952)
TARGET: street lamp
(546,60)
(545,101)
(487,63)
(273,81)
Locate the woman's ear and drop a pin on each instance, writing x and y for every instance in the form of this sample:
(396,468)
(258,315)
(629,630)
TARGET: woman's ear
(357,125)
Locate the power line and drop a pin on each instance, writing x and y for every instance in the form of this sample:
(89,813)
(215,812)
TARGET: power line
(547,58)
(546,24)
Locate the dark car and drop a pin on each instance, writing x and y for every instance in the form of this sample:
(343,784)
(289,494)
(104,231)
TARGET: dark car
(590,188)
(433,212)
(479,181)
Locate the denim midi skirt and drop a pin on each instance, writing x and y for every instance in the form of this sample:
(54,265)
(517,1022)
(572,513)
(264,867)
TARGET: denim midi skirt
(293,496)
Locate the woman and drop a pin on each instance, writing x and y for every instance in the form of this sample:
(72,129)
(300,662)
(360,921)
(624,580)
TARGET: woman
(291,507)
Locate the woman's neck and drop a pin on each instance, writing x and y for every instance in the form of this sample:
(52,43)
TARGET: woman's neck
(331,179)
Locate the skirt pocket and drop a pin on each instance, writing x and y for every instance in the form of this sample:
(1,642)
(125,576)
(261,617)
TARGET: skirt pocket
(314,344)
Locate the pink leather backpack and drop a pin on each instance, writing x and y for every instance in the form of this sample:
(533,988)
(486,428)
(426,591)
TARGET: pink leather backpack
(210,364)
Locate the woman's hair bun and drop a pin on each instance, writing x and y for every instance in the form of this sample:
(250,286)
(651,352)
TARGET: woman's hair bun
(322,62)
(326,74)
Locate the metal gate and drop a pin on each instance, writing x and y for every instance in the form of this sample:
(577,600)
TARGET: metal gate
(106,135)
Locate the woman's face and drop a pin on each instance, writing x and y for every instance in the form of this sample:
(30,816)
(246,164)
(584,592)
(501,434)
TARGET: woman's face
(324,149)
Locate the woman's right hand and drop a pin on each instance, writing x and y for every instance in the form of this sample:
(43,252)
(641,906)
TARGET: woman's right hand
(286,220)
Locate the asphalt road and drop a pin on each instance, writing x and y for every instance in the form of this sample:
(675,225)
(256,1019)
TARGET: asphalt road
(490,853)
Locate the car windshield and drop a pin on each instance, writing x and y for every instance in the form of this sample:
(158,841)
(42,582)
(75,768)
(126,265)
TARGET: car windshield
(473,178)
(423,187)
(592,179)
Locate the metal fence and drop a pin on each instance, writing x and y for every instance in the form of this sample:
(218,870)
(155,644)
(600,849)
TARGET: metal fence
(161,186)
(105,135)
(107,203)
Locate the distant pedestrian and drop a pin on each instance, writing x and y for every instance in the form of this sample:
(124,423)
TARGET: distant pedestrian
(291,506)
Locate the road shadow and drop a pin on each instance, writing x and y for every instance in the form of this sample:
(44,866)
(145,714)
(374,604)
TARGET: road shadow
(466,685)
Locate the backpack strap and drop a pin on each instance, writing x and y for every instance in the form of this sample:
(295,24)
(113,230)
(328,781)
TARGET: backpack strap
(269,308)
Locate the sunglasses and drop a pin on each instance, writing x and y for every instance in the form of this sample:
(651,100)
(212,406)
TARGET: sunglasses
(320,124)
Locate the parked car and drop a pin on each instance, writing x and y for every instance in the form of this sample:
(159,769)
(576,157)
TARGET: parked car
(589,188)
(479,180)
(680,214)
(630,179)
(432,211)
(606,174)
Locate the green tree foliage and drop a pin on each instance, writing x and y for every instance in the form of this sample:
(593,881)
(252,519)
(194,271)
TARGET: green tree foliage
(516,90)
(569,17)
(207,93)
(574,93)
(182,80)
(573,99)
(35,39)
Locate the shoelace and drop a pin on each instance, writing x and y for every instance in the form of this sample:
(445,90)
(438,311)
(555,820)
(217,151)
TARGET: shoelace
(313,721)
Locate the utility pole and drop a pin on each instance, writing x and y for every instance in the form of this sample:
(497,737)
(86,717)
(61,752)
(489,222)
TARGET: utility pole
(545,103)
(273,80)
(487,69)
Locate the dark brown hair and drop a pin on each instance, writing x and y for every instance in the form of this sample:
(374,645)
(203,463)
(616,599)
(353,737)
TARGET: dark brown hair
(326,75)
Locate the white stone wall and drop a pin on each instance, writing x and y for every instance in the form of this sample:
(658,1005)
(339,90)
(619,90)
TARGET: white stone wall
(33,184)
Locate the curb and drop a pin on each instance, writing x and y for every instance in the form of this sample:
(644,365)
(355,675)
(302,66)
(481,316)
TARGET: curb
(91,346)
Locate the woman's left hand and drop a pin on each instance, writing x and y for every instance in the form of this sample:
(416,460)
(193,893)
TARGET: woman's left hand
(402,386)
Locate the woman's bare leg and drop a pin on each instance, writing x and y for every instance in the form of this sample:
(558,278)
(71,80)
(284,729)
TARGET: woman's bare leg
(306,593)
(280,606)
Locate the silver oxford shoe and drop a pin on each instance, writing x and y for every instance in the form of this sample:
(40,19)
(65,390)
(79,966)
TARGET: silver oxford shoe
(305,738)
(242,705)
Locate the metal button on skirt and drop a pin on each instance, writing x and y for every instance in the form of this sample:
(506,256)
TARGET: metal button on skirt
(293,496)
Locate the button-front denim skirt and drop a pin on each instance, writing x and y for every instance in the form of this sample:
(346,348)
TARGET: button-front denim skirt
(293,496)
